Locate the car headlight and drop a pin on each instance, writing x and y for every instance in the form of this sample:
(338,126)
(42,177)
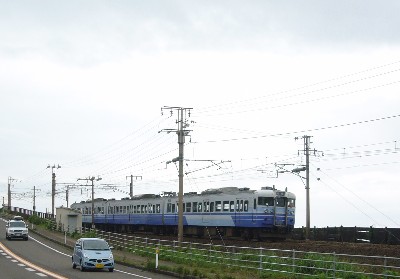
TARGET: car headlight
(111,257)
(85,256)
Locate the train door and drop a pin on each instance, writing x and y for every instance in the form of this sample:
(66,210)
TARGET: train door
(206,210)
(238,211)
(280,218)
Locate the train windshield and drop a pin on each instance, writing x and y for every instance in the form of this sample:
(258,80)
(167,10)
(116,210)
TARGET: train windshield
(280,202)
(268,201)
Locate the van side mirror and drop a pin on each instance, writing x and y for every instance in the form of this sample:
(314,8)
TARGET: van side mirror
(111,247)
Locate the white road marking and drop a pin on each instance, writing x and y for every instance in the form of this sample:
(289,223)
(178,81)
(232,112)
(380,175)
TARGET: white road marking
(21,264)
(41,274)
(32,266)
(51,248)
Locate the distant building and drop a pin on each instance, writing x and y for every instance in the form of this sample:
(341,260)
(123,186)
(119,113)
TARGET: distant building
(68,219)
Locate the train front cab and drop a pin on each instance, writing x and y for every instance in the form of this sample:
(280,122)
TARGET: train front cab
(277,212)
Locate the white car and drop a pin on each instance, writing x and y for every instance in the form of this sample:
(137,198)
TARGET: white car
(16,229)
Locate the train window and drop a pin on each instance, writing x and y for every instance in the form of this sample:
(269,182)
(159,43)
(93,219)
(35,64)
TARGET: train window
(158,208)
(169,208)
(218,206)
(241,205)
(173,208)
(195,207)
(232,206)
(199,207)
(246,206)
(142,209)
(268,201)
(211,206)
(120,209)
(254,204)
(206,207)
(154,208)
(134,209)
(291,202)
(188,207)
(226,205)
(280,202)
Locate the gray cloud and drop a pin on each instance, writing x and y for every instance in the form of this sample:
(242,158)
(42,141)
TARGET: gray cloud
(91,31)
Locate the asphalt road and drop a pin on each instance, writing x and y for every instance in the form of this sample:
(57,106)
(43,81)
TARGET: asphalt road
(40,258)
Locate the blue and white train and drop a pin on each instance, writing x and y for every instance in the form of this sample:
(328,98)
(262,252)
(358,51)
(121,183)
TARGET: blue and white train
(228,211)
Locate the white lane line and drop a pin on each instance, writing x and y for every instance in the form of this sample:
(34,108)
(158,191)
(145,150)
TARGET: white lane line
(51,248)
(41,274)
(29,269)
(20,264)
(31,265)
(14,261)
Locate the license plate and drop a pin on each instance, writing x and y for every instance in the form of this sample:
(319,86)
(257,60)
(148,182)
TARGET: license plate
(99,265)
(18,234)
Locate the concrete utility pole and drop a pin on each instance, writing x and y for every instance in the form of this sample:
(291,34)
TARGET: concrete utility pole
(131,184)
(67,187)
(306,151)
(53,185)
(10,180)
(181,132)
(91,179)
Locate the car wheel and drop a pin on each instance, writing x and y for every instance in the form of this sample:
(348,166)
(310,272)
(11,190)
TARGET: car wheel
(81,267)
(26,239)
(111,269)
(73,264)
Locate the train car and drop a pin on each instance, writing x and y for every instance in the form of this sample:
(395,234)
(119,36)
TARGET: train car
(228,211)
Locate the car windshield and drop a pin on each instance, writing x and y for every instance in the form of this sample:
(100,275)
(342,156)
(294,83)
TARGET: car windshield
(95,244)
(17,224)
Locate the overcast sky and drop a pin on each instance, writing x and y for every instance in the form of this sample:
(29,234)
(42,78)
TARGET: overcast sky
(83,83)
